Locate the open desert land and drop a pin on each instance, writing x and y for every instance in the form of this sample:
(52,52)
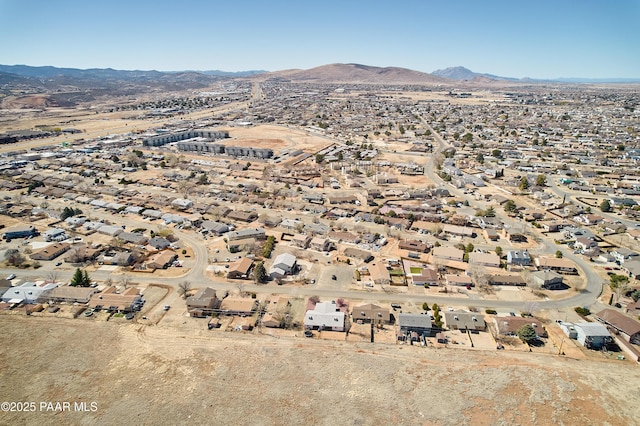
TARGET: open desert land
(160,375)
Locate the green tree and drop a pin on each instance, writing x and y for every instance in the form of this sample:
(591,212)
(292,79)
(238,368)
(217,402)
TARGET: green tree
(480,158)
(510,206)
(605,206)
(499,251)
(619,284)
(524,184)
(80,279)
(558,254)
(468,137)
(541,180)
(425,306)
(319,158)
(527,333)
(496,153)
(259,273)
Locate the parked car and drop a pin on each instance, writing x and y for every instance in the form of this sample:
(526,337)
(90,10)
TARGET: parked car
(395,306)
(11,277)
(167,307)
(88,313)
(333,277)
(129,316)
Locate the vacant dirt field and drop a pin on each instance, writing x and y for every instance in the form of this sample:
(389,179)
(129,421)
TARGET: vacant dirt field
(160,375)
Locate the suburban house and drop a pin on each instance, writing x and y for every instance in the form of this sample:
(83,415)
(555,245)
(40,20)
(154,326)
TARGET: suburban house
(240,269)
(50,252)
(70,294)
(560,265)
(518,257)
(241,306)
(549,280)
(490,234)
(202,303)
(28,292)
(161,260)
(379,273)
(21,231)
(181,203)
(414,325)
(301,241)
(622,255)
(449,253)
(464,321)
(413,245)
(256,233)
(591,335)
(284,264)
(320,244)
(491,260)
(325,316)
(508,326)
(458,280)
(214,227)
(507,279)
(109,298)
(120,258)
(462,231)
(134,238)
(159,243)
(628,327)
(426,277)
(275,312)
(370,312)
(243,216)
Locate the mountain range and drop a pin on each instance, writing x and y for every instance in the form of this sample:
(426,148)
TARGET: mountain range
(124,82)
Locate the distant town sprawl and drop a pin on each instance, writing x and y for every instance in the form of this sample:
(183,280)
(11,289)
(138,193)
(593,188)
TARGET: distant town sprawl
(276,205)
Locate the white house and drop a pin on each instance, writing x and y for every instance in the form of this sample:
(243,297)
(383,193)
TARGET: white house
(325,316)
(28,292)
(284,264)
(182,203)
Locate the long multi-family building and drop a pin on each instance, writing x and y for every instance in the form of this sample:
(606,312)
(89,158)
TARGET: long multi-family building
(165,138)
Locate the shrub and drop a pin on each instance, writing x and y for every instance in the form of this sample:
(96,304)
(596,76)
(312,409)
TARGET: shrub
(582,311)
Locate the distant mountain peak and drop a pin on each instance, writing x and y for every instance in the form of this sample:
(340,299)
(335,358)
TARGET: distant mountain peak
(356,73)
(456,73)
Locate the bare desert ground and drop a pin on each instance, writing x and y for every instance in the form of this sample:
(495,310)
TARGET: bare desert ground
(177,375)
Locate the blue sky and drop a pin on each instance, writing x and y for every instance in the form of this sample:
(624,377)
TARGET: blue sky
(538,39)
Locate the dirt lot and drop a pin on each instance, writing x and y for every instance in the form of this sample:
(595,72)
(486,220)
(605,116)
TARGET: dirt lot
(159,375)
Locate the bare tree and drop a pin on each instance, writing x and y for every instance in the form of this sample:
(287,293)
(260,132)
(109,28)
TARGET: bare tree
(478,275)
(52,276)
(183,289)
(125,281)
(116,242)
(528,278)
(530,308)
(185,187)
(240,288)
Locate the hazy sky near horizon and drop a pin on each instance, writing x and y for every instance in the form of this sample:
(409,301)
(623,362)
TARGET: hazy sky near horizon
(538,39)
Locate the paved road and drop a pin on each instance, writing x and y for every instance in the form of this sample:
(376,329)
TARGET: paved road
(197,273)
